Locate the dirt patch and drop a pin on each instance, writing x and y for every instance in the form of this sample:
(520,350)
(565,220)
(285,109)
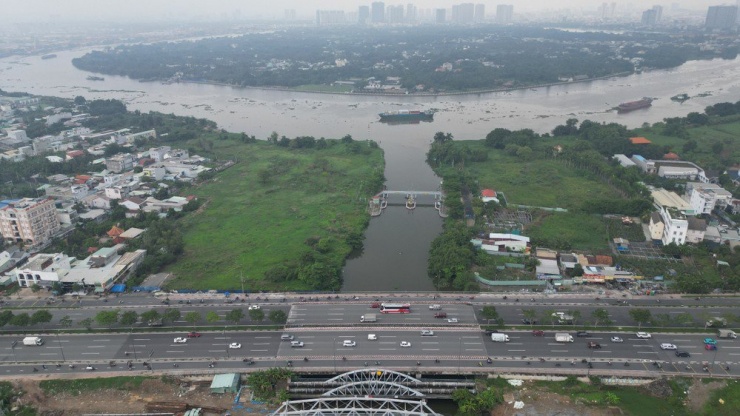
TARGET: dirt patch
(699,393)
(543,403)
(133,400)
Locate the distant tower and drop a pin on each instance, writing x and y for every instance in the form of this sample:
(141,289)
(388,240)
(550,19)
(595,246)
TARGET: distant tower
(440,16)
(395,14)
(649,17)
(504,13)
(480,12)
(658,13)
(721,17)
(411,13)
(363,15)
(377,12)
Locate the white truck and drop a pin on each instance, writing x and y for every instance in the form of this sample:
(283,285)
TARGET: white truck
(563,337)
(369,317)
(33,341)
(726,333)
(496,337)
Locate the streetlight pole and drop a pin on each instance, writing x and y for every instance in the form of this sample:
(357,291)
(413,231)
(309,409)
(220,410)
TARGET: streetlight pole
(334,344)
(64,360)
(12,348)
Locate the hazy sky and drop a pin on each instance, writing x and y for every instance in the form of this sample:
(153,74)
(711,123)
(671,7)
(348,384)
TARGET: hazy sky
(45,10)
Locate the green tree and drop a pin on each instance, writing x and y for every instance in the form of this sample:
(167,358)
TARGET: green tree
(150,316)
(530,314)
(256,315)
(640,315)
(277,316)
(41,317)
(65,321)
(601,316)
(171,315)
(234,316)
(35,288)
(129,318)
(489,312)
(193,318)
(212,317)
(22,319)
(611,398)
(684,318)
(5,317)
(107,318)
(547,316)
(576,314)
(86,323)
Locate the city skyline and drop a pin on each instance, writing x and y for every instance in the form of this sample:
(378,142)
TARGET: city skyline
(17,11)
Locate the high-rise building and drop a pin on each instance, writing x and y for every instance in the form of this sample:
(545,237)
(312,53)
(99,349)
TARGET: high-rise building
(377,12)
(649,17)
(463,13)
(363,15)
(504,13)
(721,17)
(440,16)
(480,12)
(395,14)
(411,13)
(289,14)
(29,220)
(658,13)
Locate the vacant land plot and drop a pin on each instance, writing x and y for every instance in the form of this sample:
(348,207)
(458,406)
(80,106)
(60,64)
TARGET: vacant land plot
(536,182)
(261,212)
(579,231)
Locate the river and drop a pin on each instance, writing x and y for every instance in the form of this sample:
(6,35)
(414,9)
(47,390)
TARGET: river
(397,242)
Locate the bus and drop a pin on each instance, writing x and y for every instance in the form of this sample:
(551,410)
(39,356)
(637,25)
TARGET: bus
(395,308)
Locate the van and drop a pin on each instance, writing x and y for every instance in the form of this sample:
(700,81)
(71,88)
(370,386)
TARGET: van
(435,307)
(296,344)
(286,337)
(372,337)
(348,343)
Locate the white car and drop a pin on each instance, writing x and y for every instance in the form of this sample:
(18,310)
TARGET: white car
(348,343)
(405,344)
(427,333)
(452,320)
(180,340)
(667,346)
(235,346)
(643,335)
(617,339)
(372,337)
(253,307)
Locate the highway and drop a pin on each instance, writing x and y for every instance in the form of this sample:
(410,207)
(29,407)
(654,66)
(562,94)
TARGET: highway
(323,326)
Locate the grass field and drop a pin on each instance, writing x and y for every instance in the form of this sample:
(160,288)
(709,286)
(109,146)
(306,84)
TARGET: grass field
(536,182)
(78,386)
(260,212)
(582,231)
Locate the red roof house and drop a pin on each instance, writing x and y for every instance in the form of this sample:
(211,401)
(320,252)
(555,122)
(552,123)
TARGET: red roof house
(639,140)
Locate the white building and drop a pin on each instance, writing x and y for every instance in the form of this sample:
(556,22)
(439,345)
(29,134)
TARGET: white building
(675,226)
(696,229)
(703,197)
(656,226)
(29,220)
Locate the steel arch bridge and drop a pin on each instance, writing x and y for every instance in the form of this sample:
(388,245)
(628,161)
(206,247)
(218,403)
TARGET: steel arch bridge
(374,388)
(375,375)
(354,406)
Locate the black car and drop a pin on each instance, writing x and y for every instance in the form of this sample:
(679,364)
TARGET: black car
(582,334)
(683,354)
(527,321)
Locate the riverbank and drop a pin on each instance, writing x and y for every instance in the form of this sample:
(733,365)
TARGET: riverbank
(381,94)
(282,218)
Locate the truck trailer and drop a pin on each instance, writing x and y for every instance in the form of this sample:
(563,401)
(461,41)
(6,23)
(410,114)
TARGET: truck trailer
(563,337)
(726,333)
(495,337)
(33,341)
(368,317)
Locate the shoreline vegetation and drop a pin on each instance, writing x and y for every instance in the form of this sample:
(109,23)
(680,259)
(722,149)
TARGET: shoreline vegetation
(381,94)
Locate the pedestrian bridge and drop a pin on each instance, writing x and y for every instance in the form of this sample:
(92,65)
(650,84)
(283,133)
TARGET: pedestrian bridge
(409,199)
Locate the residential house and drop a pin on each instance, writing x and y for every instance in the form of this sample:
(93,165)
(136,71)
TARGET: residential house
(121,162)
(703,197)
(675,226)
(695,231)
(656,227)
(98,201)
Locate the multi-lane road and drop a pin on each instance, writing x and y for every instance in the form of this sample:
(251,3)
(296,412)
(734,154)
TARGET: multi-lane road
(323,325)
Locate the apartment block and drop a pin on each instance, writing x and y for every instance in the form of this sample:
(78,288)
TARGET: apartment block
(121,162)
(29,220)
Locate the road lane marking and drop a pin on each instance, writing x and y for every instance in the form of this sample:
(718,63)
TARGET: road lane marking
(90,353)
(517,350)
(336,313)
(96,346)
(262,337)
(335,319)
(558,350)
(258,350)
(142,339)
(387,349)
(424,349)
(100,340)
(646,352)
(261,343)
(174,351)
(516,343)
(52,353)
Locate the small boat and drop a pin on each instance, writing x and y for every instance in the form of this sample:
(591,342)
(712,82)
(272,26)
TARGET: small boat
(94,78)
(49,56)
